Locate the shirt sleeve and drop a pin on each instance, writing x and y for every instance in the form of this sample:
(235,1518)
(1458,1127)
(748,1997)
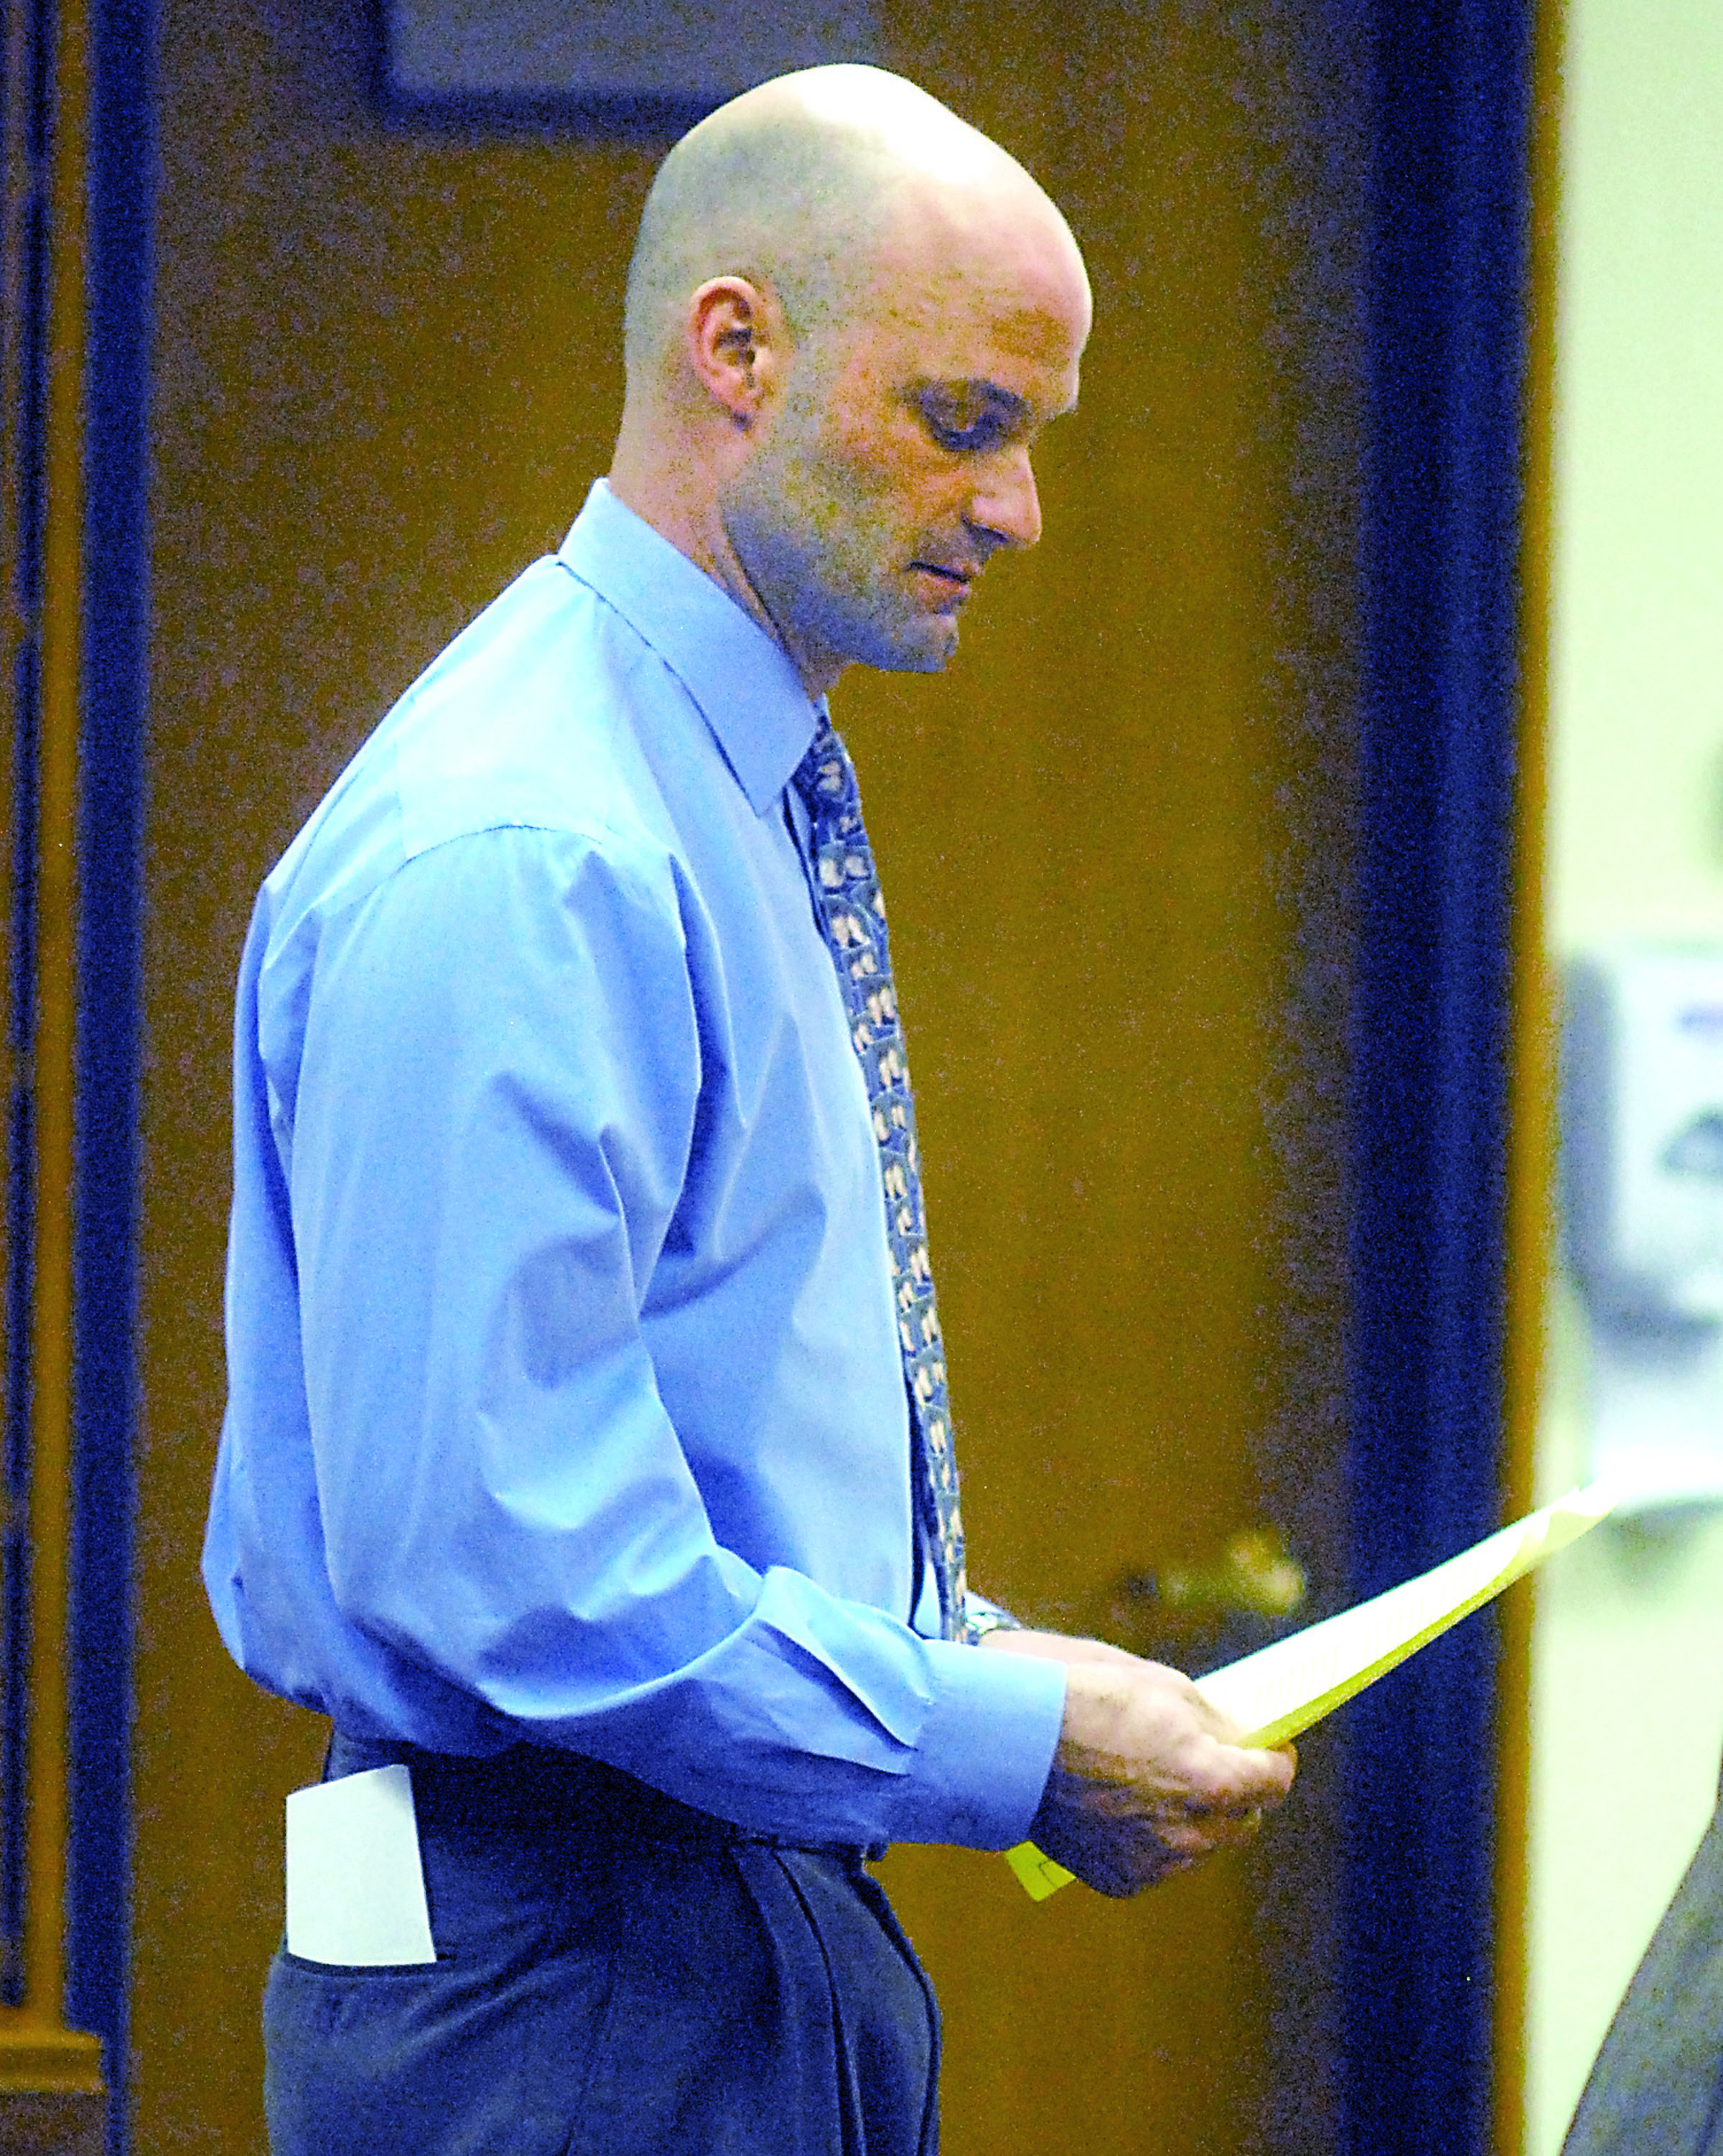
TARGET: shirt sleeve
(484,1079)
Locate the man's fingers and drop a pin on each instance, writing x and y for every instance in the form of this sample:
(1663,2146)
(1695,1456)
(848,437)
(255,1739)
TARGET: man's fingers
(1257,1779)
(1248,1815)
(1180,1843)
(1211,1826)
(1149,1778)
(1231,1829)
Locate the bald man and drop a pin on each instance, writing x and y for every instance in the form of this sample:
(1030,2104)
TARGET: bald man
(585,1458)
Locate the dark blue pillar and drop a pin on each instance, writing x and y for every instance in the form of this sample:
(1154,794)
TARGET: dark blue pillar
(1446,284)
(111,750)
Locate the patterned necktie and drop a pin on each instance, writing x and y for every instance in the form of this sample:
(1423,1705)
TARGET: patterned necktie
(853,913)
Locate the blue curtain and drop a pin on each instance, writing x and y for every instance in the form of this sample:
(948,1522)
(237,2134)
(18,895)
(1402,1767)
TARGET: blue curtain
(1446,305)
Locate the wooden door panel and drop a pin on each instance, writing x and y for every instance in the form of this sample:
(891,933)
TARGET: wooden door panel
(1113,842)
(1079,2022)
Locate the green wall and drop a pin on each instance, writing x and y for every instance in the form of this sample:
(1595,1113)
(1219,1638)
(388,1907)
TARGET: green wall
(1627,1685)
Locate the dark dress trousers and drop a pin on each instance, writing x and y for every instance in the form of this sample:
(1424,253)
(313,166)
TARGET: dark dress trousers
(1657,2087)
(616,1975)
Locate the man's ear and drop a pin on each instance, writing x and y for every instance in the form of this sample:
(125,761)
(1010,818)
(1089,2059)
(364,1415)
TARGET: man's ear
(737,346)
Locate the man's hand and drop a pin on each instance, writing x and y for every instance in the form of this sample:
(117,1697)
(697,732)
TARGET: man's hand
(1149,1779)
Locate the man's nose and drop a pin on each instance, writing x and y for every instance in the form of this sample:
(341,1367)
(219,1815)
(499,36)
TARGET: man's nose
(1008,504)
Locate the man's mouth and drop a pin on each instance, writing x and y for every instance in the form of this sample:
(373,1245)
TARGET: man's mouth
(949,584)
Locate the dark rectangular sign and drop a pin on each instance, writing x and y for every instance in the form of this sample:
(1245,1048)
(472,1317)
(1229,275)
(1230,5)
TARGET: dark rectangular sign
(675,58)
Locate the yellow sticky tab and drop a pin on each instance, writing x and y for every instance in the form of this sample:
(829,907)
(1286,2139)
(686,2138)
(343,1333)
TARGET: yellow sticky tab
(1038,1875)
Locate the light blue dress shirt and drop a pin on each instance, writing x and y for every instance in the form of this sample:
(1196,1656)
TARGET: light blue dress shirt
(564,1400)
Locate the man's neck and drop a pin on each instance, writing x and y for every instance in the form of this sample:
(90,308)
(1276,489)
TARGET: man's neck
(674,497)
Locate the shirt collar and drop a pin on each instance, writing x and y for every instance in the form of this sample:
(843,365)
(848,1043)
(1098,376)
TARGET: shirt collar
(746,689)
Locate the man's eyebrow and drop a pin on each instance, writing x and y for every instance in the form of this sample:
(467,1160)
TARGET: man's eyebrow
(981,391)
(994,395)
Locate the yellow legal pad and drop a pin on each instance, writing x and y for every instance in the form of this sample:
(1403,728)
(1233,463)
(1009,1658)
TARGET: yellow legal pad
(1273,1694)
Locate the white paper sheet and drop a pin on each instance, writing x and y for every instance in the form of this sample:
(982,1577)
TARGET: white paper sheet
(355,1889)
(1275,1693)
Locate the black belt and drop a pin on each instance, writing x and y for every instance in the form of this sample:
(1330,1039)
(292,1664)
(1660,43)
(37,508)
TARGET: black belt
(533,1785)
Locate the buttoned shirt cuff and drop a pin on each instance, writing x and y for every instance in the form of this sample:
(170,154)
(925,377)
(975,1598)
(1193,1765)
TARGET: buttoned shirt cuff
(985,1750)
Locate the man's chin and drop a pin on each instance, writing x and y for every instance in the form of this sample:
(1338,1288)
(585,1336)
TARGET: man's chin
(921,644)
(925,649)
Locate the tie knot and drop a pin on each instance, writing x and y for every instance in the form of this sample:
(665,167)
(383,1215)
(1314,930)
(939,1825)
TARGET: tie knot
(825,778)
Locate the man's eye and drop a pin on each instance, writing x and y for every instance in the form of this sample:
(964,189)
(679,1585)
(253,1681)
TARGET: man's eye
(981,434)
(960,429)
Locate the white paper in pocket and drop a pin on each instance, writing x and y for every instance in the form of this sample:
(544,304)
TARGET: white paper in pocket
(355,1889)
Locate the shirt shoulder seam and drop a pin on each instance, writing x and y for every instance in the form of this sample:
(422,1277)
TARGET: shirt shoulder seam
(631,859)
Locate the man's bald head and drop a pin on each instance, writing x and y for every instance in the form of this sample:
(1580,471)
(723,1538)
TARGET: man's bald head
(797,186)
(849,317)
